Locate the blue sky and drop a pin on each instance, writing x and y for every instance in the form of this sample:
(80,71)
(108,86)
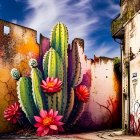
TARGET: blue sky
(87,19)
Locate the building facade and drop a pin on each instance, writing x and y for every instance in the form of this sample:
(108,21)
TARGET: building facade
(126,31)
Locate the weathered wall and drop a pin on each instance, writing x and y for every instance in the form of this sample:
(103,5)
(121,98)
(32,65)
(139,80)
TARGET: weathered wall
(135,96)
(133,47)
(103,111)
(16,48)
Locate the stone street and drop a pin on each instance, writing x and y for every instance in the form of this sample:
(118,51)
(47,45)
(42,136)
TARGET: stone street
(103,135)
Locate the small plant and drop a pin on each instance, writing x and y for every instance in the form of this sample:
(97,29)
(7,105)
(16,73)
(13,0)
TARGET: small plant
(13,113)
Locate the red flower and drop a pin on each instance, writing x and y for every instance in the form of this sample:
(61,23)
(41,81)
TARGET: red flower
(48,123)
(51,85)
(82,93)
(13,113)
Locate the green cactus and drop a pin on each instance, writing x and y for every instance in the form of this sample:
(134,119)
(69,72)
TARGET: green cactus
(53,67)
(26,101)
(36,77)
(70,105)
(59,41)
(55,64)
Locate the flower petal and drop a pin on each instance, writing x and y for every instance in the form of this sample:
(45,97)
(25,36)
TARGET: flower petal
(43,113)
(38,125)
(55,113)
(58,118)
(51,112)
(44,82)
(54,127)
(41,128)
(38,119)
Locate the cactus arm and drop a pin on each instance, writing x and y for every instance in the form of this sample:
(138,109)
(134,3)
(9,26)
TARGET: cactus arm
(76,67)
(70,105)
(36,77)
(79,112)
(36,89)
(26,101)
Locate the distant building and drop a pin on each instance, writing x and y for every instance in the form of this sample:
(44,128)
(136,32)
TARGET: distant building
(126,31)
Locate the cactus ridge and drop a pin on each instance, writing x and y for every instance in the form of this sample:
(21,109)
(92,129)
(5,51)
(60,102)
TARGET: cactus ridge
(36,77)
(25,97)
(70,105)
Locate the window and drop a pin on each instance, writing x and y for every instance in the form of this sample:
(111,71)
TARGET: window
(6,30)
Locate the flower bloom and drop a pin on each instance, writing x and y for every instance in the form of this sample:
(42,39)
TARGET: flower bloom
(48,123)
(51,85)
(13,113)
(82,93)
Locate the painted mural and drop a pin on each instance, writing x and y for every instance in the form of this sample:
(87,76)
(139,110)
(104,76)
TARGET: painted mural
(52,87)
(17,46)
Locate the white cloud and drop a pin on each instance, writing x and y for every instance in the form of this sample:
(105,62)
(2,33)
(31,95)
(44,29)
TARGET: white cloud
(107,50)
(79,16)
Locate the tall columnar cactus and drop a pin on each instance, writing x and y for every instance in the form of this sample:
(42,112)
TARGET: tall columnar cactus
(53,67)
(36,77)
(59,41)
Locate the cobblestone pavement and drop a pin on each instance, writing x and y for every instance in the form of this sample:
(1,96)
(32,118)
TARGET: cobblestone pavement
(104,135)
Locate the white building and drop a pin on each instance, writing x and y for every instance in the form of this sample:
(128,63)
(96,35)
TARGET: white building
(126,31)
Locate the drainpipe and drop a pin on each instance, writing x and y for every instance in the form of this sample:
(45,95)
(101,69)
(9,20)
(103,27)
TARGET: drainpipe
(128,97)
(124,96)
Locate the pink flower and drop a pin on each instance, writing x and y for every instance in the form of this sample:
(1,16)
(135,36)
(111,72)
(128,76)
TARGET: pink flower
(51,85)
(82,93)
(48,123)
(13,113)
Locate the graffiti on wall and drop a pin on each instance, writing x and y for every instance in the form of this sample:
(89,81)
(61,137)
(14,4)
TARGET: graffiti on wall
(134,97)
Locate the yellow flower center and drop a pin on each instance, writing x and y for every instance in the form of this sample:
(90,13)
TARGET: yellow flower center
(48,121)
(50,84)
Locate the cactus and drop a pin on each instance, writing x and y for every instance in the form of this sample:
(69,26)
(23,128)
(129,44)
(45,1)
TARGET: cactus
(60,63)
(26,101)
(59,41)
(70,105)
(76,66)
(53,67)
(36,77)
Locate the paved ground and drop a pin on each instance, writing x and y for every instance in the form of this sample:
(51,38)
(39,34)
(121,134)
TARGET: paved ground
(117,135)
